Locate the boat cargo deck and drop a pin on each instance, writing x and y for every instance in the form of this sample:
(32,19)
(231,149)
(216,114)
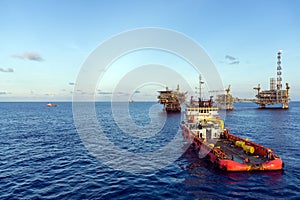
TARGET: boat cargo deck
(237,153)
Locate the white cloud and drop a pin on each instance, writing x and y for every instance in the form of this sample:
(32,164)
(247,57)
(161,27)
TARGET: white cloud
(232,60)
(230,57)
(29,55)
(9,70)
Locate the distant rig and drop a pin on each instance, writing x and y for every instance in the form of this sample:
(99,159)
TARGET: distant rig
(276,95)
(224,101)
(172,100)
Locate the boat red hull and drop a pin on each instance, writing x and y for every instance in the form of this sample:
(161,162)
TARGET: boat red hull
(222,162)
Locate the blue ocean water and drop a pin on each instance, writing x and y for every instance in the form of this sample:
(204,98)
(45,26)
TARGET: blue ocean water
(42,157)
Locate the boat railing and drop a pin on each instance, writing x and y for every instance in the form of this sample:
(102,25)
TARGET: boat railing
(197,109)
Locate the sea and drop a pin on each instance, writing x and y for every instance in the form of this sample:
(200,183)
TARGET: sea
(43,156)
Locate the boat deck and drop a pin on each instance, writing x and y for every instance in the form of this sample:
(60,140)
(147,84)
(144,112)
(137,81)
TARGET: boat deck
(237,153)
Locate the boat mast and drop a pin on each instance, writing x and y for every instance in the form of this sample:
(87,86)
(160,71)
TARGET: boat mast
(200,87)
(200,91)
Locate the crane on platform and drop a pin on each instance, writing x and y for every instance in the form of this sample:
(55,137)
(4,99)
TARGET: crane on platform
(257,88)
(225,101)
(227,90)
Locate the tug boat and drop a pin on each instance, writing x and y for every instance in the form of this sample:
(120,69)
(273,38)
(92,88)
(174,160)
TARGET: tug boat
(205,131)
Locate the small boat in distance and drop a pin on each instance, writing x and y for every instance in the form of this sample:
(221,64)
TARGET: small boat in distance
(50,105)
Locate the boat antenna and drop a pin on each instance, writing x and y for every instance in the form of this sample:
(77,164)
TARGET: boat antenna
(200,90)
(200,87)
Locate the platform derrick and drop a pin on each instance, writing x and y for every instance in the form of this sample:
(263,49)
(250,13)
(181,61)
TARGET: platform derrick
(276,95)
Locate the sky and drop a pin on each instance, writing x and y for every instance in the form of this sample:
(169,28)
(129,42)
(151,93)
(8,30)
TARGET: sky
(44,44)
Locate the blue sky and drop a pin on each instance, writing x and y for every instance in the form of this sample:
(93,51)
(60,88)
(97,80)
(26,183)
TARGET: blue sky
(44,43)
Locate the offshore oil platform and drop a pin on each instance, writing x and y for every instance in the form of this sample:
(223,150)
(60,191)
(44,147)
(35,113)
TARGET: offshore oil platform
(224,101)
(171,99)
(276,95)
